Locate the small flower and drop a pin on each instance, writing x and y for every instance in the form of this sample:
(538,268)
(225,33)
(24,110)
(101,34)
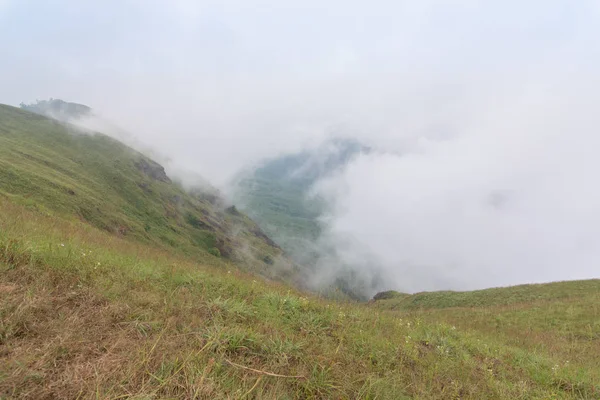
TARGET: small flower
(62,245)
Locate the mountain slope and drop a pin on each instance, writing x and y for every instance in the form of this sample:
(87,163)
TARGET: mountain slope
(54,167)
(277,194)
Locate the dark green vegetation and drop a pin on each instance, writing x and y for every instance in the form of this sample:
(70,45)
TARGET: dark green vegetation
(283,210)
(51,167)
(91,312)
(277,194)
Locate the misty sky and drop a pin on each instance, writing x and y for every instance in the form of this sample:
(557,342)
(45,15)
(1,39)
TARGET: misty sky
(483,114)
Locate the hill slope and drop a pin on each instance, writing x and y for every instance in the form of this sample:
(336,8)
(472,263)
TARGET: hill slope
(91,312)
(556,291)
(54,167)
(561,318)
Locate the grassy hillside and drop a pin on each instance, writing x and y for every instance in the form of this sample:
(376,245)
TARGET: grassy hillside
(88,314)
(49,166)
(561,318)
(91,312)
(557,291)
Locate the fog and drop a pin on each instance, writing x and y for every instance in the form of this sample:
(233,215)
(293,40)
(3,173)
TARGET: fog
(483,117)
(509,200)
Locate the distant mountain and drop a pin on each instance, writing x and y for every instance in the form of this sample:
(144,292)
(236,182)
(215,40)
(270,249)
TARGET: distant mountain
(308,166)
(278,195)
(278,192)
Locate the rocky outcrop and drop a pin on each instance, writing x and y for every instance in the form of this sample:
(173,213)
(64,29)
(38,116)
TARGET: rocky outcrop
(152,169)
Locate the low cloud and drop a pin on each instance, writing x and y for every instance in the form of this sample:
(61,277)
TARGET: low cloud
(509,200)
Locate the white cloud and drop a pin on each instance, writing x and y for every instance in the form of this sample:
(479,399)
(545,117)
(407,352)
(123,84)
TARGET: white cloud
(512,199)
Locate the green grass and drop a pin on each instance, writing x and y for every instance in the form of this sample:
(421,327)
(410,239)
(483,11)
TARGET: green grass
(561,318)
(90,313)
(489,297)
(51,167)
